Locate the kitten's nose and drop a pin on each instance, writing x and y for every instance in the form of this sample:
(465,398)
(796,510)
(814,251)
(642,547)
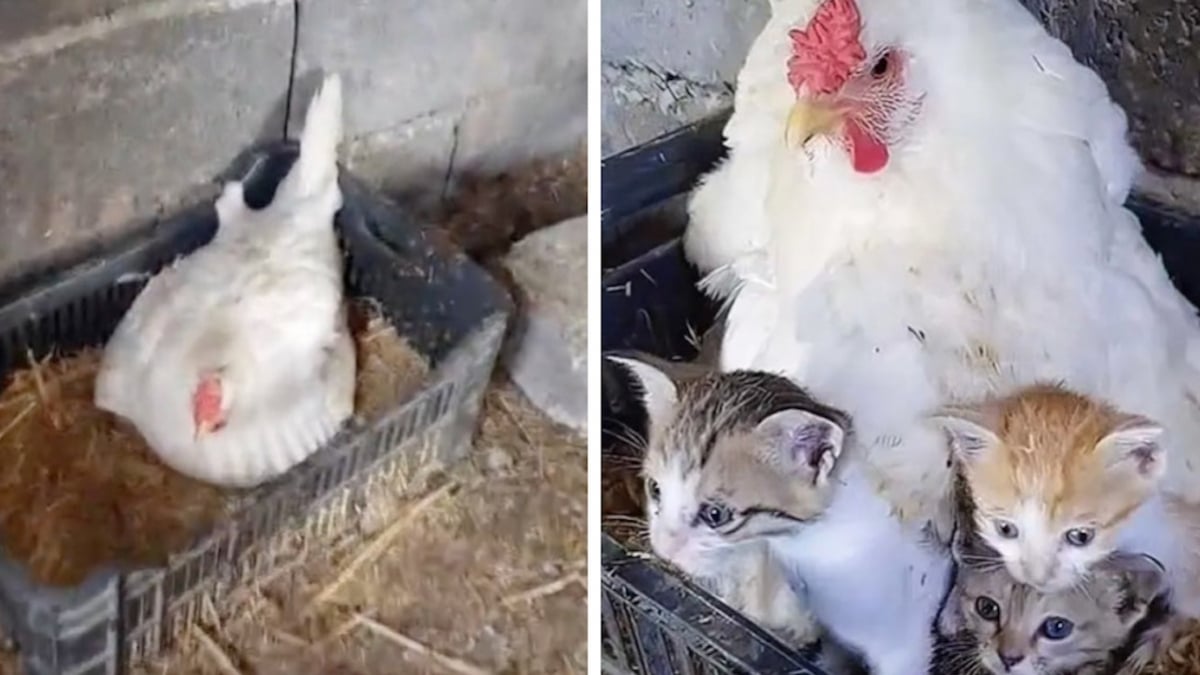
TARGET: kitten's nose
(1010,660)
(1037,574)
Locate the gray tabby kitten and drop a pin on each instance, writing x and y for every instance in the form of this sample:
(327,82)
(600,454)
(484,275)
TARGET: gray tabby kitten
(1105,625)
(745,576)
(742,473)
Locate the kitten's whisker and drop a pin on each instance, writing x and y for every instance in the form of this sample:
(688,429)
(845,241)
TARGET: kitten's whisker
(627,435)
(622,461)
(625,520)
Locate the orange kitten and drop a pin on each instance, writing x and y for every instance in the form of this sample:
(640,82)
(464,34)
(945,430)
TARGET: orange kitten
(1059,481)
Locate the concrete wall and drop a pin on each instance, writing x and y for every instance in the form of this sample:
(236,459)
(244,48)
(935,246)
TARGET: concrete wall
(668,63)
(112,111)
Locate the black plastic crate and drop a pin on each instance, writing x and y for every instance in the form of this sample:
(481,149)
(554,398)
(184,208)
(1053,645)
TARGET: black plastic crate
(649,302)
(654,622)
(449,309)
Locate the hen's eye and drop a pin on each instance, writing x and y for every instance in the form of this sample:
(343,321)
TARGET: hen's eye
(882,66)
(987,609)
(1056,628)
(1080,536)
(715,514)
(1006,529)
(652,489)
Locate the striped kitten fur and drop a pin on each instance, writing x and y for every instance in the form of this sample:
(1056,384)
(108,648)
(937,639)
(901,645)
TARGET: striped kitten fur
(1109,624)
(742,459)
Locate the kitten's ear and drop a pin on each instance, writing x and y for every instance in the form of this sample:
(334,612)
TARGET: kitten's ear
(659,393)
(969,430)
(950,618)
(1134,444)
(959,542)
(802,442)
(969,550)
(1142,579)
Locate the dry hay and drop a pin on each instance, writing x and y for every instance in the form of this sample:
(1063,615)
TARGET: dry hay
(1183,656)
(487,213)
(389,369)
(80,489)
(622,500)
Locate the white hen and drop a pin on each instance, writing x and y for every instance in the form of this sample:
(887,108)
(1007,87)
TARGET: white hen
(236,363)
(923,203)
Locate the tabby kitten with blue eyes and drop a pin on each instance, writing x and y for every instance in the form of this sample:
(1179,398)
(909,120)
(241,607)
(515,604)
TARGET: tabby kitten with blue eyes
(747,459)
(1105,625)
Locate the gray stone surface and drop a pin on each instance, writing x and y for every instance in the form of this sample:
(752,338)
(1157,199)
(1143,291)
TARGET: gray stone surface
(1147,52)
(666,63)
(522,123)
(25,18)
(639,102)
(404,59)
(103,132)
(547,350)
(699,40)
(1179,191)
(409,161)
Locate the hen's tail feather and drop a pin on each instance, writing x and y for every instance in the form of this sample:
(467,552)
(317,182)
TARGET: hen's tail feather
(316,169)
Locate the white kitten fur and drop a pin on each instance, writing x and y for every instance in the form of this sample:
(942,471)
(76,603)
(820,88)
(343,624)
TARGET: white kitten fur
(1155,531)
(874,584)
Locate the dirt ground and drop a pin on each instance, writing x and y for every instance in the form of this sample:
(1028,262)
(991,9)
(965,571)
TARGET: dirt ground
(484,572)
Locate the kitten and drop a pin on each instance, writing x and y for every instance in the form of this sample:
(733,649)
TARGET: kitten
(992,624)
(1059,481)
(743,458)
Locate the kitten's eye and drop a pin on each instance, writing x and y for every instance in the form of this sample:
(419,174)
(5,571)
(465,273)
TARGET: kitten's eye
(882,66)
(715,514)
(1006,529)
(987,609)
(1056,628)
(652,489)
(1080,536)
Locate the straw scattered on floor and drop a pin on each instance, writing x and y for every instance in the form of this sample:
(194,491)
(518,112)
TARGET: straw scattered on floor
(80,489)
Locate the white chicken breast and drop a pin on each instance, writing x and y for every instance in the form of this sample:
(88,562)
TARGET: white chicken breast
(923,204)
(236,363)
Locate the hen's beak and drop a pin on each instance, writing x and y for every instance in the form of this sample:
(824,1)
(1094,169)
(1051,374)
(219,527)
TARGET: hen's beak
(809,118)
(204,428)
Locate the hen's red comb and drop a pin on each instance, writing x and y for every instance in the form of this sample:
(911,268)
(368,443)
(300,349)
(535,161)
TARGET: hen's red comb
(825,52)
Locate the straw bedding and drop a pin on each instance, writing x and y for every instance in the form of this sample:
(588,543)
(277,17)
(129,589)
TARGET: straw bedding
(79,489)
